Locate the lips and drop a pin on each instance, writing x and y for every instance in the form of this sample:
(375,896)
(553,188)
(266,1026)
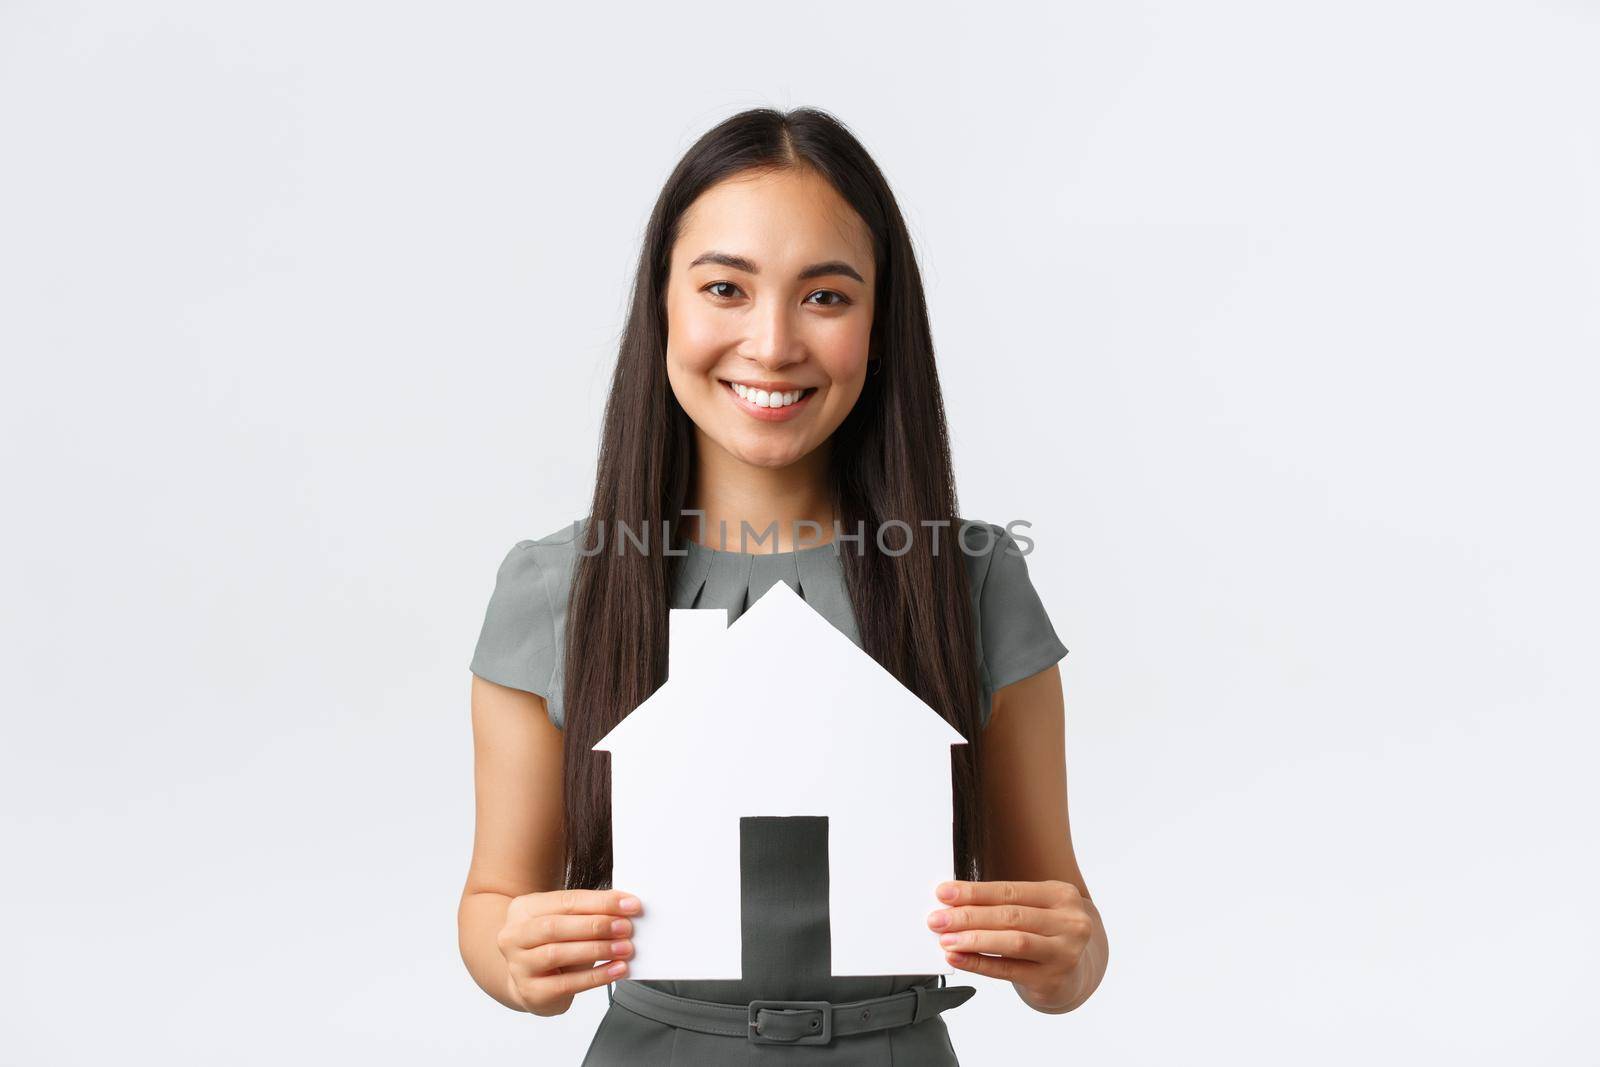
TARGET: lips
(751,403)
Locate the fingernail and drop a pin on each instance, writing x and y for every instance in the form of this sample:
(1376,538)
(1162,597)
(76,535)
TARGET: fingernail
(956,957)
(949,939)
(620,948)
(947,892)
(629,904)
(616,968)
(939,919)
(620,927)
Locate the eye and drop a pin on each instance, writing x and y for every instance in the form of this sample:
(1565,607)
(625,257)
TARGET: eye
(721,296)
(839,298)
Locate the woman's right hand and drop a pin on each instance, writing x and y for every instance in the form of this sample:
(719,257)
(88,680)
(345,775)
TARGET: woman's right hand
(552,941)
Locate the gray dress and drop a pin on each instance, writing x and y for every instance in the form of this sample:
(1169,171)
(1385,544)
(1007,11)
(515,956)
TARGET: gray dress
(521,645)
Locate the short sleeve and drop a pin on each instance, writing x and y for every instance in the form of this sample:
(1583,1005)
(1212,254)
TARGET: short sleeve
(518,645)
(1014,630)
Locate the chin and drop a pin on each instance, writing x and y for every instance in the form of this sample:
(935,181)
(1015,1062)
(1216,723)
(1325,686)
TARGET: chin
(768,454)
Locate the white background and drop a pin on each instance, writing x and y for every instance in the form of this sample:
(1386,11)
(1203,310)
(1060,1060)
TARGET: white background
(1277,321)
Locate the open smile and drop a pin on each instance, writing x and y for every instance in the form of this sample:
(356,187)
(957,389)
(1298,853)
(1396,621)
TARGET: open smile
(768,401)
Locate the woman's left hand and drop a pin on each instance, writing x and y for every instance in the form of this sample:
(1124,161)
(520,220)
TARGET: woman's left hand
(1034,932)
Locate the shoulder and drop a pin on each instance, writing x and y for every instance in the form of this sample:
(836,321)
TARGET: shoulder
(1015,634)
(523,632)
(984,544)
(536,574)
(533,560)
(560,543)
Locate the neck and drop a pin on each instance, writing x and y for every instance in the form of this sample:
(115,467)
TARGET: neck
(772,502)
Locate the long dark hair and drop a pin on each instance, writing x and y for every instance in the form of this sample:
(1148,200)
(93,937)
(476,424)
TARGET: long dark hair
(890,460)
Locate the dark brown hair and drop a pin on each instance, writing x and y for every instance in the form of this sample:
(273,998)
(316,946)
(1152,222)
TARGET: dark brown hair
(890,460)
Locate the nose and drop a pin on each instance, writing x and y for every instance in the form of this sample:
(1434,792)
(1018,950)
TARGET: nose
(773,342)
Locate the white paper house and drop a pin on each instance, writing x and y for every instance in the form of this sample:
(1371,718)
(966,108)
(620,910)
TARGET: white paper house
(779,714)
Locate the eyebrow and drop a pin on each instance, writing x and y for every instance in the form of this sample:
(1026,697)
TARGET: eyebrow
(816,270)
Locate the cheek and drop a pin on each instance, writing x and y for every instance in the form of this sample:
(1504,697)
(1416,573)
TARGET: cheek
(695,341)
(843,356)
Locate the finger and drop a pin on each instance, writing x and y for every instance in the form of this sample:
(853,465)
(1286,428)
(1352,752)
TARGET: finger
(992,966)
(1012,944)
(1052,894)
(997,917)
(585,902)
(558,954)
(543,928)
(576,981)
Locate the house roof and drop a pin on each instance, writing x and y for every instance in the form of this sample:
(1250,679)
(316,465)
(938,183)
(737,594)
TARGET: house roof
(780,659)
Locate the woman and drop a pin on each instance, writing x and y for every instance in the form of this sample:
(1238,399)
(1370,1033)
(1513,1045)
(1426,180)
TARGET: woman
(776,374)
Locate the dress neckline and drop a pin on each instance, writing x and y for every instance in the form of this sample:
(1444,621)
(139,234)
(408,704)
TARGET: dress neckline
(696,547)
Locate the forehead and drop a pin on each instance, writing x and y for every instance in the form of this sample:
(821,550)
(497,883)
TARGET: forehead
(781,217)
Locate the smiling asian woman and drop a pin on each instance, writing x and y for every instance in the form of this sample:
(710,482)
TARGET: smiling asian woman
(776,373)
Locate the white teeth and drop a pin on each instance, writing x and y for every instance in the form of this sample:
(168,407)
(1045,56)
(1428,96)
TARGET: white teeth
(762,398)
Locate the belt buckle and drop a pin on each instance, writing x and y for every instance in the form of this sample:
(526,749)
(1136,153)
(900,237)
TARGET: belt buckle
(821,1030)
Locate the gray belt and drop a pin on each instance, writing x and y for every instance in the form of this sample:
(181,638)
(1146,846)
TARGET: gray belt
(791,1022)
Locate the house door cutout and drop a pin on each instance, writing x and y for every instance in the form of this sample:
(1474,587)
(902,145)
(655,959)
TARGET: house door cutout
(783,875)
